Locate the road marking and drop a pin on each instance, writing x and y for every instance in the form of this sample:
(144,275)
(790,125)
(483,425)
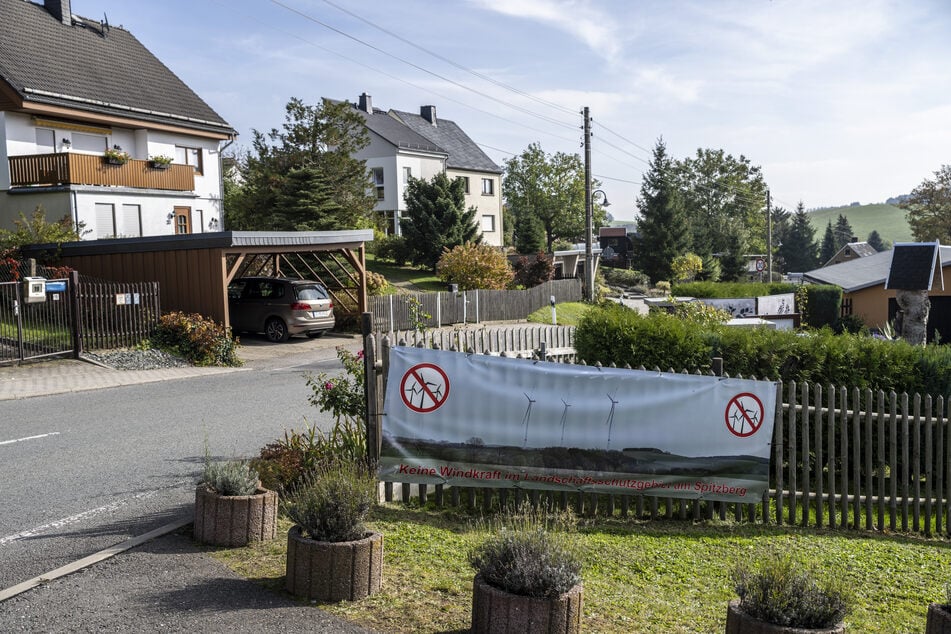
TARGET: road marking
(85,562)
(85,514)
(10,442)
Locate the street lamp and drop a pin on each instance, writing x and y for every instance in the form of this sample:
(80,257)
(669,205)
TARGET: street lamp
(588,238)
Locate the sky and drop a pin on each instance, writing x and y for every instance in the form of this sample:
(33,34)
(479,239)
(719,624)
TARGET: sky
(837,102)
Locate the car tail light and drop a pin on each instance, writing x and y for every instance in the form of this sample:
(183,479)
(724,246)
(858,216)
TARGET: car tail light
(331,305)
(300,306)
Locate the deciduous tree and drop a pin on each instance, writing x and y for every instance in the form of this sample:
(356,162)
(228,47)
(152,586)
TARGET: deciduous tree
(475,266)
(928,208)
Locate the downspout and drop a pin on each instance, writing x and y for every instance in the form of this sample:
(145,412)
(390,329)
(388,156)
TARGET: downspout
(74,211)
(221,181)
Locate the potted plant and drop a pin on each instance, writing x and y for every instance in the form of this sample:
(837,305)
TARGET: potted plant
(116,156)
(528,576)
(231,508)
(331,555)
(939,614)
(777,596)
(160,162)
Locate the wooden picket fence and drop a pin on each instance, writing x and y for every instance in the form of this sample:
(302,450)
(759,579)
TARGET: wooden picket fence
(841,458)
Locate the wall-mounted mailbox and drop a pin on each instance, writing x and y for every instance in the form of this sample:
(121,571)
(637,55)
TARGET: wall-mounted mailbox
(55,286)
(34,290)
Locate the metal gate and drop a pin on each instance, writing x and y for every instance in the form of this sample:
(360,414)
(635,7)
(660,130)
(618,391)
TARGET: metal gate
(32,330)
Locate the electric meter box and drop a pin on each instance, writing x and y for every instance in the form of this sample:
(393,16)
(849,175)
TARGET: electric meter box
(34,289)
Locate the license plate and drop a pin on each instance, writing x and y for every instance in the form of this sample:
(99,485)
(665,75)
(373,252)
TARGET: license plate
(319,313)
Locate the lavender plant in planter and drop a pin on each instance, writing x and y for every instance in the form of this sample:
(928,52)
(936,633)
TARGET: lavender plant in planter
(779,597)
(528,577)
(231,508)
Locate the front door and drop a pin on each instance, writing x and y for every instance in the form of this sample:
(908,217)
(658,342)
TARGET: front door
(183,220)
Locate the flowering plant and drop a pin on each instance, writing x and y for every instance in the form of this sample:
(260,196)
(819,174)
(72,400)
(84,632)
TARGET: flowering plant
(162,159)
(117,154)
(342,394)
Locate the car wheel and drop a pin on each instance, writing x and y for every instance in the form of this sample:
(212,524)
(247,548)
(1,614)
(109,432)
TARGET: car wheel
(316,335)
(276,330)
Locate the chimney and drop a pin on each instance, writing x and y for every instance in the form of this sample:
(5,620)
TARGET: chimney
(59,9)
(366,103)
(428,113)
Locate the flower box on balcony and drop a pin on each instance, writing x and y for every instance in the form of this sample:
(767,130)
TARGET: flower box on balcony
(160,162)
(116,156)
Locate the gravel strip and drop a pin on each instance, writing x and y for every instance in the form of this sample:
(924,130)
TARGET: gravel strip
(131,359)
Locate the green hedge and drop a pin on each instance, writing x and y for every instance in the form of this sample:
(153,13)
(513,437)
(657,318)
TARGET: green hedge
(822,305)
(612,334)
(728,290)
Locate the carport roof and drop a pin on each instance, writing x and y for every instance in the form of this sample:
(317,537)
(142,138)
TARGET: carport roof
(237,240)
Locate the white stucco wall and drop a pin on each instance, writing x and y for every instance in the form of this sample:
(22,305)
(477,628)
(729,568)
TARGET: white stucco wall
(19,134)
(486,205)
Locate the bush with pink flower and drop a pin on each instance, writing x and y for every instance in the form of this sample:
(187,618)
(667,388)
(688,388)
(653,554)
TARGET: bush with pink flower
(341,394)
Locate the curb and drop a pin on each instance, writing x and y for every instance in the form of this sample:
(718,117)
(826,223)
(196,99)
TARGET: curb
(85,562)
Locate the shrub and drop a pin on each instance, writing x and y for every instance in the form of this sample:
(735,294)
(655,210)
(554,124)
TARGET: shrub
(626,277)
(726,290)
(530,272)
(700,313)
(393,249)
(529,554)
(332,503)
(686,267)
(475,266)
(777,591)
(229,477)
(341,395)
(376,284)
(824,305)
(198,339)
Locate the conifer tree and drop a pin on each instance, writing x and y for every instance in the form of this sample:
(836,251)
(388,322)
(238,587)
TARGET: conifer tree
(842,232)
(800,251)
(662,229)
(436,218)
(828,249)
(876,242)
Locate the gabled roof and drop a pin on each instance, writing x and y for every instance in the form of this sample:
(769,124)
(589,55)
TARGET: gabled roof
(913,267)
(863,272)
(92,67)
(393,131)
(856,249)
(463,151)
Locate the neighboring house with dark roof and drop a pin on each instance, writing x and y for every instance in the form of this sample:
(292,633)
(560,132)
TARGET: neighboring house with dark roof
(851,251)
(71,88)
(404,145)
(863,283)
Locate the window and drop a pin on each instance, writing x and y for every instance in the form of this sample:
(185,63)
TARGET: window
(465,179)
(407,174)
(488,223)
(130,221)
(189,156)
(82,142)
(105,220)
(183,220)
(45,141)
(488,187)
(377,178)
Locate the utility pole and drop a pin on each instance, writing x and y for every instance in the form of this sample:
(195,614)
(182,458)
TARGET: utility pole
(769,240)
(588,228)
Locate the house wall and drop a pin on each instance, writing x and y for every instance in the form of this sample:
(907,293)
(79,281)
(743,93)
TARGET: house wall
(19,132)
(871,304)
(485,204)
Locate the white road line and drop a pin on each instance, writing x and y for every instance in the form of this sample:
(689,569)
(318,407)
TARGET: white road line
(85,514)
(10,442)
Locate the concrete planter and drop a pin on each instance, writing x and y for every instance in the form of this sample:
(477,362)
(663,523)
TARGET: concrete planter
(738,622)
(234,520)
(496,611)
(333,571)
(939,619)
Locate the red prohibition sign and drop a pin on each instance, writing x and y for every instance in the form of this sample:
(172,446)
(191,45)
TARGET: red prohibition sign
(744,415)
(424,388)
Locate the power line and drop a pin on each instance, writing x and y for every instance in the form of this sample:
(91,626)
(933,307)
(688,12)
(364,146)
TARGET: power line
(475,73)
(420,68)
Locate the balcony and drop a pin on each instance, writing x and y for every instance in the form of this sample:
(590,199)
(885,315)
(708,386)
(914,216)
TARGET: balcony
(90,169)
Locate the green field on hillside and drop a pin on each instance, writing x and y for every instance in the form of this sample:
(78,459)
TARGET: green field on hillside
(888,220)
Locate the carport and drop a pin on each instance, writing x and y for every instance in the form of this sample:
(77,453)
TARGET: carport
(194,270)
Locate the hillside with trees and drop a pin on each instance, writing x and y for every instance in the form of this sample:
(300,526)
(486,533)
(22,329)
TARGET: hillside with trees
(888,220)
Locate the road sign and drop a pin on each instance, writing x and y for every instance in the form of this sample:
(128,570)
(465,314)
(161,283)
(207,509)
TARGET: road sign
(424,388)
(760,265)
(744,415)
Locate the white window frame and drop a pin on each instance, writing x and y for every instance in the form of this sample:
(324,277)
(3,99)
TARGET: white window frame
(490,220)
(488,187)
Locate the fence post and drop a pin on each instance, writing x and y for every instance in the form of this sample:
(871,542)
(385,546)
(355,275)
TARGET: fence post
(75,325)
(369,389)
(717,366)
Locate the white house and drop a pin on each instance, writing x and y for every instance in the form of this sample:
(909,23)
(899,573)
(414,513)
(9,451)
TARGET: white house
(404,145)
(71,88)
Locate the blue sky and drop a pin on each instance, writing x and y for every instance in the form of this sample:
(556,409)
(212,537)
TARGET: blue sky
(836,101)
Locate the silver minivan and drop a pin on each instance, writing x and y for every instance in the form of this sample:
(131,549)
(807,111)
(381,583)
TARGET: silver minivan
(279,307)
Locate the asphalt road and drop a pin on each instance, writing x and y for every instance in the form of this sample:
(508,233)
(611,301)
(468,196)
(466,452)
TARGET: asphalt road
(87,470)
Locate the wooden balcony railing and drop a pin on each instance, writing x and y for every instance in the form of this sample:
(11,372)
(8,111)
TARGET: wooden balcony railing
(68,168)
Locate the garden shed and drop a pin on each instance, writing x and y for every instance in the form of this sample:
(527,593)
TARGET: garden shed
(194,270)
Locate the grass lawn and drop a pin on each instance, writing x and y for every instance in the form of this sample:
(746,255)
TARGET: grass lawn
(406,277)
(663,576)
(567,314)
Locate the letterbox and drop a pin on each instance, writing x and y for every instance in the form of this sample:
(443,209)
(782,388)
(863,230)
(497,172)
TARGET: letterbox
(34,290)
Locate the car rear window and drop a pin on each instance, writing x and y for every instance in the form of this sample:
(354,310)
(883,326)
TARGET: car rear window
(311,292)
